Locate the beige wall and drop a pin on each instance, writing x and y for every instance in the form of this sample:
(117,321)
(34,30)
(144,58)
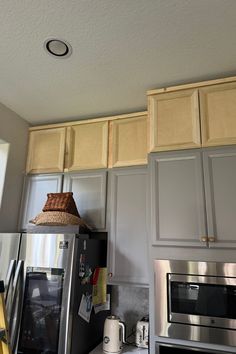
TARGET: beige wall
(13,130)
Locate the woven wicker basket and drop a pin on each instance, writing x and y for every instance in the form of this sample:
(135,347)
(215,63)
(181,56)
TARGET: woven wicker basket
(59,218)
(61,202)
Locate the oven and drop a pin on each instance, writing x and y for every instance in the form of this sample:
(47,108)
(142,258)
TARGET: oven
(162,348)
(196,301)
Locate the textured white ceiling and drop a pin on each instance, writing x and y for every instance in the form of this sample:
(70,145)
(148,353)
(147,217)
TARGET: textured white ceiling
(121,48)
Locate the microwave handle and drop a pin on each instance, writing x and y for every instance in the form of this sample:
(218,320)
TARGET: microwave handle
(15,317)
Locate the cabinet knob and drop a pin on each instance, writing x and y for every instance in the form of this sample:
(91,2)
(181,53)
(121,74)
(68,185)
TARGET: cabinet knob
(203,239)
(110,275)
(211,239)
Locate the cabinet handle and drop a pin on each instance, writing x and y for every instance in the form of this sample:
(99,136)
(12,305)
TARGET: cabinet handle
(211,238)
(203,239)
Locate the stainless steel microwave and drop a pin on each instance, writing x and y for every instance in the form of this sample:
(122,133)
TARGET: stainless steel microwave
(196,301)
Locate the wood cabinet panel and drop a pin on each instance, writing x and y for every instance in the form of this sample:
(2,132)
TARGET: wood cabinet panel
(174,120)
(87,146)
(218,114)
(46,151)
(128,226)
(128,141)
(177,199)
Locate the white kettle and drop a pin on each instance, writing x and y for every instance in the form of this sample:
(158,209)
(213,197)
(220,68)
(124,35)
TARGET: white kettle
(113,335)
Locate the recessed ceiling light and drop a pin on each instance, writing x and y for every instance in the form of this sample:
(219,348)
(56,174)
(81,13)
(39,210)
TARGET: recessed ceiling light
(58,48)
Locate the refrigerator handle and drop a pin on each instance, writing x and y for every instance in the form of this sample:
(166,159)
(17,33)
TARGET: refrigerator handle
(15,316)
(9,279)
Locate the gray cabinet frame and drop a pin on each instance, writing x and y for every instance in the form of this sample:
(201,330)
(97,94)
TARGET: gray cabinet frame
(220,188)
(92,206)
(127,226)
(176,194)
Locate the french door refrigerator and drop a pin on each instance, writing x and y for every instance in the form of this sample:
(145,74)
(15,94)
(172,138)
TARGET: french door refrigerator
(9,250)
(47,295)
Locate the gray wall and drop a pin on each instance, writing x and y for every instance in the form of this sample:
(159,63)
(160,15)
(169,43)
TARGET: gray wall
(13,130)
(130,303)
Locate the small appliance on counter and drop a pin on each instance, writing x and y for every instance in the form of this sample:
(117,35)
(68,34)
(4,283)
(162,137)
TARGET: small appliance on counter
(114,335)
(142,333)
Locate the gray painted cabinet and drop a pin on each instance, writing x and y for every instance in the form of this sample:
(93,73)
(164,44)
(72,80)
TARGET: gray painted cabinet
(220,185)
(193,198)
(89,192)
(35,195)
(177,199)
(127,226)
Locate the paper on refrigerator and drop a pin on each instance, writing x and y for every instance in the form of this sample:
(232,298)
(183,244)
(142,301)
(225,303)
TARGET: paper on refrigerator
(85,307)
(99,281)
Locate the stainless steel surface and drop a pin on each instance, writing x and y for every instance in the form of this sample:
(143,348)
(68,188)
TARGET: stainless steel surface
(9,247)
(123,331)
(8,283)
(45,251)
(192,327)
(16,307)
(194,350)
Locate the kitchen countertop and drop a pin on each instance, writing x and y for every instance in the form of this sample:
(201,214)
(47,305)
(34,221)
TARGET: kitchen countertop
(128,349)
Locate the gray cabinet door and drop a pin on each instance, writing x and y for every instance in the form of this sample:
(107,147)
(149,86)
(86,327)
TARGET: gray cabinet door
(127,226)
(220,185)
(35,194)
(177,199)
(89,192)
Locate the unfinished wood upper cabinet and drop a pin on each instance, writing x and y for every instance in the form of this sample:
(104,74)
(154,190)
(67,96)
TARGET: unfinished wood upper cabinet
(128,141)
(87,146)
(46,150)
(174,120)
(218,114)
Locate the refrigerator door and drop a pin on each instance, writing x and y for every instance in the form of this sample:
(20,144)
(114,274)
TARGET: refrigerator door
(45,322)
(9,248)
(86,336)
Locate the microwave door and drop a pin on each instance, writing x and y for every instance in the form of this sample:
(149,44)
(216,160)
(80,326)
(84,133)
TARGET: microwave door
(202,300)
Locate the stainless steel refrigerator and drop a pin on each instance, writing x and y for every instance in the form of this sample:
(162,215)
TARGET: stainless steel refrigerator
(46,294)
(9,251)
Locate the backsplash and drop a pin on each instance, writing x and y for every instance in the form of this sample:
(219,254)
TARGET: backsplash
(130,304)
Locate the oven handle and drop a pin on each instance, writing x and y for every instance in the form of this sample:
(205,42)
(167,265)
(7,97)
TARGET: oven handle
(15,317)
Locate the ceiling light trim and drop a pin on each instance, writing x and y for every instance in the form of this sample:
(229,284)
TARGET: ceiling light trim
(56,52)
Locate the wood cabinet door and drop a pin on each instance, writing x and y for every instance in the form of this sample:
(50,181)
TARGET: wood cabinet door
(218,114)
(35,195)
(87,146)
(89,192)
(46,150)
(174,120)
(177,199)
(220,185)
(128,141)
(127,221)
